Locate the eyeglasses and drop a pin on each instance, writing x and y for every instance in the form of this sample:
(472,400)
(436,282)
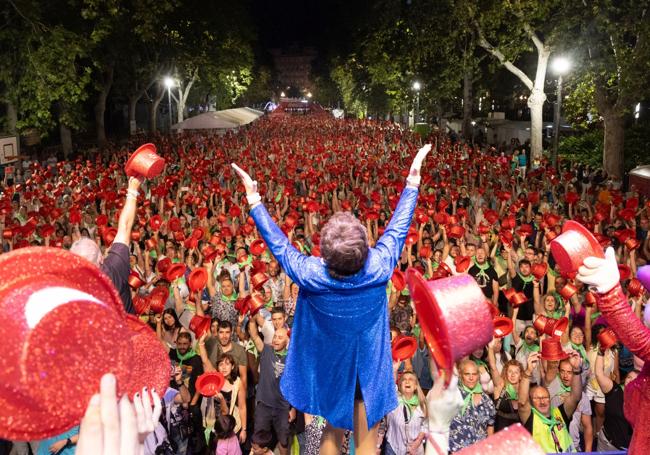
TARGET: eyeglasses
(541,398)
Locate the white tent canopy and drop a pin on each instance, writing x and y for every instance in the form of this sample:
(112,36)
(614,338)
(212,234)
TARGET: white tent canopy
(226,119)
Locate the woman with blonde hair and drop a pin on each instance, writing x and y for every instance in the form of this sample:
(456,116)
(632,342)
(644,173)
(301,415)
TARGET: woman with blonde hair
(506,386)
(407,424)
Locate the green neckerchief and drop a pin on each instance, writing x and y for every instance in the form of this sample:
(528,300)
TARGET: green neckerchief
(229,298)
(583,353)
(435,265)
(511,392)
(530,348)
(416,331)
(595,315)
(183,357)
(319,421)
(410,404)
(526,279)
(282,353)
(550,421)
(481,267)
(553,272)
(470,394)
(564,388)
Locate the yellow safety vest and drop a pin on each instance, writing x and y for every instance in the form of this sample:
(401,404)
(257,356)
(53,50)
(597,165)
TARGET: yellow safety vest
(556,442)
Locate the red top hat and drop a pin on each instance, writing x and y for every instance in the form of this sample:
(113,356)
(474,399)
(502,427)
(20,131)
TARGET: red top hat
(258,279)
(135,281)
(60,302)
(257,247)
(624,271)
(607,339)
(256,303)
(140,304)
(209,384)
(145,162)
(208,252)
(514,439)
(568,291)
(102,220)
(462,263)
(517,299)
(403,347)
(453,316)
(574,245)
(502,326)
(552,349)
(456,231)
(163,265)
(632,244)
(441,218)
(155,222)
(412,238)
(174,272)
(398,280)
(198,279)
(158,298)
(198,233)
(590,299)
(174,224)
(539,270)
(425,252)
(200,325)
(241,305)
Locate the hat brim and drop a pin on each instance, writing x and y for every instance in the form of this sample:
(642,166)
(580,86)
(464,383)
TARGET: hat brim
(432,322)
(24,417)
(209,384)
(565,258)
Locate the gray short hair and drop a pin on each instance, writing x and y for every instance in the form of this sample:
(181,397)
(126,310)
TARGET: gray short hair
(344,245)
(87,249)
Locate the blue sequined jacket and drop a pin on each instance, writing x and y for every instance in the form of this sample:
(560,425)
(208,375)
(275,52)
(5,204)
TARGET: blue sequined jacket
(340,330)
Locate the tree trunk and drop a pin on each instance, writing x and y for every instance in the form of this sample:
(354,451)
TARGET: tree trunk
(153,108)
(133,104)
(468,103)
(536,104)
(613,147)
(100,105)
(66,140)
(12,118)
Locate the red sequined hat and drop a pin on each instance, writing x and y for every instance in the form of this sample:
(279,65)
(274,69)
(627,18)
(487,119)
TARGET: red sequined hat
(573,246)
(66,326)
(403,347)
(514,439)
(453,316)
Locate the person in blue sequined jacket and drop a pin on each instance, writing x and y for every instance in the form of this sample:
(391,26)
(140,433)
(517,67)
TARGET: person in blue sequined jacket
(340,367)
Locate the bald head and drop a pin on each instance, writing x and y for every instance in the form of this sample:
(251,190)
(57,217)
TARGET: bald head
(88,250)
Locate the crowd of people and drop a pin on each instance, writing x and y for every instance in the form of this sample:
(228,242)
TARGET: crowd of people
(186,256)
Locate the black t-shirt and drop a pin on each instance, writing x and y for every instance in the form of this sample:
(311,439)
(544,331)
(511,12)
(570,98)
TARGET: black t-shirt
(526,309)
(117,267)
(617,429)
(271,369)
(192,368)
(484,279)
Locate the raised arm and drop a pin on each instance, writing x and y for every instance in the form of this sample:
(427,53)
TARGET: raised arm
(524,387)
(571,402)
(127,216)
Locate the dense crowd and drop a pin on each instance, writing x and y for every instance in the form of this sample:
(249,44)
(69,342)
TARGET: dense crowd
(188,259)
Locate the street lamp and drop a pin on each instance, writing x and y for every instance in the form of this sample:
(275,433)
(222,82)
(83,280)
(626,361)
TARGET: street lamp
(169,83)
(417,86)
(560,66)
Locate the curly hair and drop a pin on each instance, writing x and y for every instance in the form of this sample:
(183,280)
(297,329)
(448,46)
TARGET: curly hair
(344,245)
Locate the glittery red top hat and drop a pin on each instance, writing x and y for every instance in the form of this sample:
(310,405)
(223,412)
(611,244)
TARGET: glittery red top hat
(209,384)
(145,162)
(552,349)
(197,279)
(453,316)
(539,270)
(63,319)
(514,439)
(403,347)
(573,246)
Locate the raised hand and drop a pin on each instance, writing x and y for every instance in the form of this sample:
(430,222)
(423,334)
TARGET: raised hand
(249,184)
(414,173)
(600,273)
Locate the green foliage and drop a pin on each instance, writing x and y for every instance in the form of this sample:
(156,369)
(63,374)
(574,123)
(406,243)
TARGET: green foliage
(347,77)
(586,148)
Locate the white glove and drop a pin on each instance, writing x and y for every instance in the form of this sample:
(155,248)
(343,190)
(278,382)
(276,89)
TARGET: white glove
(601,274)
(443,404)
(252,196)
(414,174)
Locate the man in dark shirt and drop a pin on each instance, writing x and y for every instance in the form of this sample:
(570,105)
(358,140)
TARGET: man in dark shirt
(522,281)
(485,276)
(187,359)
(271,409)
(116,264)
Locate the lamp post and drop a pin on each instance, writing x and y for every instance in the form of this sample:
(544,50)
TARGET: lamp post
(417,86)
(561,66)
(169,83)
